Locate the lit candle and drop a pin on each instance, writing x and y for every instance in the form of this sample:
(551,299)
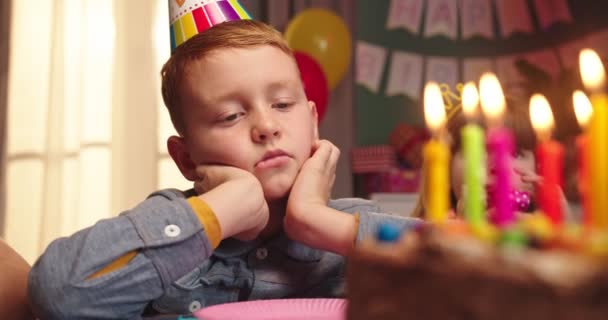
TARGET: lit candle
(500,148)
(549,157)
(473,151)
(593,75)
(583,111)
(436,156)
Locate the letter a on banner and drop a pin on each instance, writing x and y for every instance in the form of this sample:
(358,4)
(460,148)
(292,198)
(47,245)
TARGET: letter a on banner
(441,18)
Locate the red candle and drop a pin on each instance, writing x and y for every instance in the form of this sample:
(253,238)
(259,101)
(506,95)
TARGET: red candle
(583,111)
(549,156)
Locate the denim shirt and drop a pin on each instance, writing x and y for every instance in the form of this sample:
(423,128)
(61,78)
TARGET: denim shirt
(176,271)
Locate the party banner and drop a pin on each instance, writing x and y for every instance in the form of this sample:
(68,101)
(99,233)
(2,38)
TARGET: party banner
(405,14)
(370,65)
(511,79)
(473,68)
(546,60)
(442,70)
(552,11)
(598,41)
(513,16)
(568,52)
(405,75)
(441,18)
(476,18)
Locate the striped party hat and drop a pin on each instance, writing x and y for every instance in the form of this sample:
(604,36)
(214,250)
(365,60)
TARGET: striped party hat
(190,17)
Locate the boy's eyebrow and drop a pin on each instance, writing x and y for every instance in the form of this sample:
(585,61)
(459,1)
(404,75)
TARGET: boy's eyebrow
(270,88)
(277,85)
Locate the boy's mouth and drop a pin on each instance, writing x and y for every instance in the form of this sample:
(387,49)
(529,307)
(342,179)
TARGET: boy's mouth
(273,158)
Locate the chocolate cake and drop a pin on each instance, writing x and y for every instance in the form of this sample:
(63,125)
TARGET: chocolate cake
(440,275)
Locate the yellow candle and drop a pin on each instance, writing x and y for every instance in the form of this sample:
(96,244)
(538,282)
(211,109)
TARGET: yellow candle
(593,75)
(436,157)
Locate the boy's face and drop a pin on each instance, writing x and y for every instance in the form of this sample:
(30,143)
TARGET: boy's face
(247,108)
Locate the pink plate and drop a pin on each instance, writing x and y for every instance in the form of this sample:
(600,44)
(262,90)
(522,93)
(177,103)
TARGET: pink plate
(284,309)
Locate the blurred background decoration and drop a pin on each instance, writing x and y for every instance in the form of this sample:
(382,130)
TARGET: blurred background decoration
(84,127)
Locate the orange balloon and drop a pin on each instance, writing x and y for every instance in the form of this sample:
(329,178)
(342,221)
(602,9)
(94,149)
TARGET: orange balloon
(324,36)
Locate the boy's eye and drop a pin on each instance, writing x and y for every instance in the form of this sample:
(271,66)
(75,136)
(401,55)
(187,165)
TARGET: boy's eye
(281,105)
(233,117)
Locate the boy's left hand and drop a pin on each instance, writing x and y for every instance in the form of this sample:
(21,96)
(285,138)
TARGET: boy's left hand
(316,177)
(308,219)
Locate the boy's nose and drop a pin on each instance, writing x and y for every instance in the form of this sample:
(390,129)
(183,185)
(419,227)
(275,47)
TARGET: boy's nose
(265,128)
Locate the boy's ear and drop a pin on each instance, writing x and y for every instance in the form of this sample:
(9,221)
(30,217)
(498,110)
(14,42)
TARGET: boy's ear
(180,155)
(315,119)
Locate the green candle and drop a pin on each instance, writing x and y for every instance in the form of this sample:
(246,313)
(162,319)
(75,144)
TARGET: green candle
(473,152)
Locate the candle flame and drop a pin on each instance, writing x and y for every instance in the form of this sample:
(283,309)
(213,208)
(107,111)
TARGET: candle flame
(582,107)
(492,97)
(541,115)
(592,69)
(470,99)
(434,108)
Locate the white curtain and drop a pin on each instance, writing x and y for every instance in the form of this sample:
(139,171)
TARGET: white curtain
(86,126)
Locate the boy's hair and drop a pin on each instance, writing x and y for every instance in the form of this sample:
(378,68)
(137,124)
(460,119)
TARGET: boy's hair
(227,35)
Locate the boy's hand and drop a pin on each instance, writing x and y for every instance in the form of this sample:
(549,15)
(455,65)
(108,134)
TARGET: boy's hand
(308,219)
(237,199)
(316,178)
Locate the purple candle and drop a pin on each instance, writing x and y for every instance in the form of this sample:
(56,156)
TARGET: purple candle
(500,148)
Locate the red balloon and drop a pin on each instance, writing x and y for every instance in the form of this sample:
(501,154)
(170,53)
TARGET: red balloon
(315,83)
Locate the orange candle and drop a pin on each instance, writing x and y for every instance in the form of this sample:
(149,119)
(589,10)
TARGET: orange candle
(549,158)
(583,111)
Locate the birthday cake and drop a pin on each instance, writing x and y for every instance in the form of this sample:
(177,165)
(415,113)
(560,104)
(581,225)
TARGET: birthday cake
(438,274)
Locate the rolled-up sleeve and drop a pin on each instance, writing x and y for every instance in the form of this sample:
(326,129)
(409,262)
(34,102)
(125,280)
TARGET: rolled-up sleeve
(167,237)
(370,218)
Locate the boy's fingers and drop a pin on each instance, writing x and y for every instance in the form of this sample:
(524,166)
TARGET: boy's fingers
(333,159)
(323,153)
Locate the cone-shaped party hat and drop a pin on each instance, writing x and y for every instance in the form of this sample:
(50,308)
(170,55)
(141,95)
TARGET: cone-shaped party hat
(190,17)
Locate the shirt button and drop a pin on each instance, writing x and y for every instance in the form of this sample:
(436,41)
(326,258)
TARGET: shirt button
(172,231)
(261,253)
(194,306)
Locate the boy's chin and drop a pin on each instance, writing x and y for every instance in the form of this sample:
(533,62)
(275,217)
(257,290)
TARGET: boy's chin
(275,190)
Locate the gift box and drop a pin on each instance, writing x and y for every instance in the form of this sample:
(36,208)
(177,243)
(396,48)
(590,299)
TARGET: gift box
(408,142)
(394,180)
(373,159)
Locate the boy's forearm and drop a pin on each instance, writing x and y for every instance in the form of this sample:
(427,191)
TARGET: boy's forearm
(13,284)
(326,229)
(168,240)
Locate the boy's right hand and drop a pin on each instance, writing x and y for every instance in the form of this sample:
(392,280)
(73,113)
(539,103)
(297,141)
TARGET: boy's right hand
(237,199)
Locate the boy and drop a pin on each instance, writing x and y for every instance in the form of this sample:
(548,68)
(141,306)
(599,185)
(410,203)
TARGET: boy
(249,140)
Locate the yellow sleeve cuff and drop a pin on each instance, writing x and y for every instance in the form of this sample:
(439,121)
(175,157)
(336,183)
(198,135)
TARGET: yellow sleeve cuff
(208,219)
(356,226)
(114,265)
